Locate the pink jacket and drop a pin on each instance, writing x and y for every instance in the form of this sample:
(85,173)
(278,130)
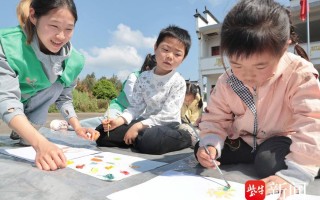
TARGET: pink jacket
(288,104)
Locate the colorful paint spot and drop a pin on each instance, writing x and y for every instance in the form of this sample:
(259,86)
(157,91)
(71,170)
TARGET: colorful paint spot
(96,159)
(80,166)
(124,172)
(117,158)
(221,192)
(69,162)
(109,176)
(109,167)
(94,170)
(134,166)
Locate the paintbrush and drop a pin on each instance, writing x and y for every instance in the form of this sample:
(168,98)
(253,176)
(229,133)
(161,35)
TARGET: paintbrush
(215,164)
(107,117)
(207,151)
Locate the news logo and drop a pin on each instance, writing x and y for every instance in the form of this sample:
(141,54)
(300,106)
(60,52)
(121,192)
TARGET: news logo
(298,188)
(255,190)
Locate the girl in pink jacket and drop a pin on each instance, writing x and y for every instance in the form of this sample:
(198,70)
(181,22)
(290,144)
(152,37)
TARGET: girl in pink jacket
(265,109)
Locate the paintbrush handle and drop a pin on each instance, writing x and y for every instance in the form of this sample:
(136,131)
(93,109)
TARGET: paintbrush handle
(192,127)
(213,161)
(216,165)
(218,168)
(207,151)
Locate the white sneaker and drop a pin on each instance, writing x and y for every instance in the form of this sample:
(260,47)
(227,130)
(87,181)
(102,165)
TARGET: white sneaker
(59,125)
(193,131)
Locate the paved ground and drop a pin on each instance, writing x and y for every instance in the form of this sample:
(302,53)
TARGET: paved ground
(4,129)
(29,183)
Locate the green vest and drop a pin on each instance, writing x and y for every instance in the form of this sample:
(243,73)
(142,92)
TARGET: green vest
(121,102)
(23,60)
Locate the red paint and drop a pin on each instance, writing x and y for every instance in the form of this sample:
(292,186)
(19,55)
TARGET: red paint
(80,166)
(124,172)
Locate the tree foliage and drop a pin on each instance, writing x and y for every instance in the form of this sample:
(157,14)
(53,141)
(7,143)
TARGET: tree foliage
(116,82)
(104,89)
(92,95)
(87,84)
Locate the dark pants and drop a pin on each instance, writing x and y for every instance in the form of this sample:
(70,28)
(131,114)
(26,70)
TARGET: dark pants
(267,159)
(154,140)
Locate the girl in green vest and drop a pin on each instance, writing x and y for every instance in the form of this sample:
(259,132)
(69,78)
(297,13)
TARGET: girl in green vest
(38,67)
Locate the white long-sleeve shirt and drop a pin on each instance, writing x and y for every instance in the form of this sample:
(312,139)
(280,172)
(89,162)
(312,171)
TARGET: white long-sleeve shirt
(161,97)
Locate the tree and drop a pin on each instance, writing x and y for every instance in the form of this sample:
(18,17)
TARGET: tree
(104,89)
(116,82)
(87,84)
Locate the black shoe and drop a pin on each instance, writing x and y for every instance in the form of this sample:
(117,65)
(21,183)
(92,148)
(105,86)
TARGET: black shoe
(14,136)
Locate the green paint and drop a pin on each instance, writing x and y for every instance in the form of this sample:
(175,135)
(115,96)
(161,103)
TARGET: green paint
(109,176)
(225,188)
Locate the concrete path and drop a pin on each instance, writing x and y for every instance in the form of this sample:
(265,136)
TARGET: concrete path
(4,129)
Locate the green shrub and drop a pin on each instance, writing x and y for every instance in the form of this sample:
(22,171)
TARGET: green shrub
(104,89)
(83,103)
(53,109)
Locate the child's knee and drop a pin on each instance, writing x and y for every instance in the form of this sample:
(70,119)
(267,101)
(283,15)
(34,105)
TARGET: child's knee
(266,164)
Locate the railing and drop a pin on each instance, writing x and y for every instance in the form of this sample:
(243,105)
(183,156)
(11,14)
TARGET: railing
(211,63)
(214,64)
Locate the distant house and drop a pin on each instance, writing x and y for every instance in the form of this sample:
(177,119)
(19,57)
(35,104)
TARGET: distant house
(208,31)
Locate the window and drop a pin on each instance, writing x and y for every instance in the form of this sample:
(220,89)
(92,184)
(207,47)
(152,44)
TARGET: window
(215,51)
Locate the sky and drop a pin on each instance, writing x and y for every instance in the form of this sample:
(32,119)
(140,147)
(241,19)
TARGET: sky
(116,35)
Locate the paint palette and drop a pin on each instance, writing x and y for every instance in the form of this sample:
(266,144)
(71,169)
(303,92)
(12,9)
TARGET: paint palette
(111,166)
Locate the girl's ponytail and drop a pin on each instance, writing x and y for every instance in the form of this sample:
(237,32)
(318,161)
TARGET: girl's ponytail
(295,40)
(200,103)
(29,29)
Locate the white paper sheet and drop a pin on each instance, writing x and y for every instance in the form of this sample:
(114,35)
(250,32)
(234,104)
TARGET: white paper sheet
(112,166)
(28,153)
(179,185)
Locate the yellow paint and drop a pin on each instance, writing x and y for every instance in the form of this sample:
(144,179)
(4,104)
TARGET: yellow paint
(69,162)
(94,170)
(108,167)
(221,193)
